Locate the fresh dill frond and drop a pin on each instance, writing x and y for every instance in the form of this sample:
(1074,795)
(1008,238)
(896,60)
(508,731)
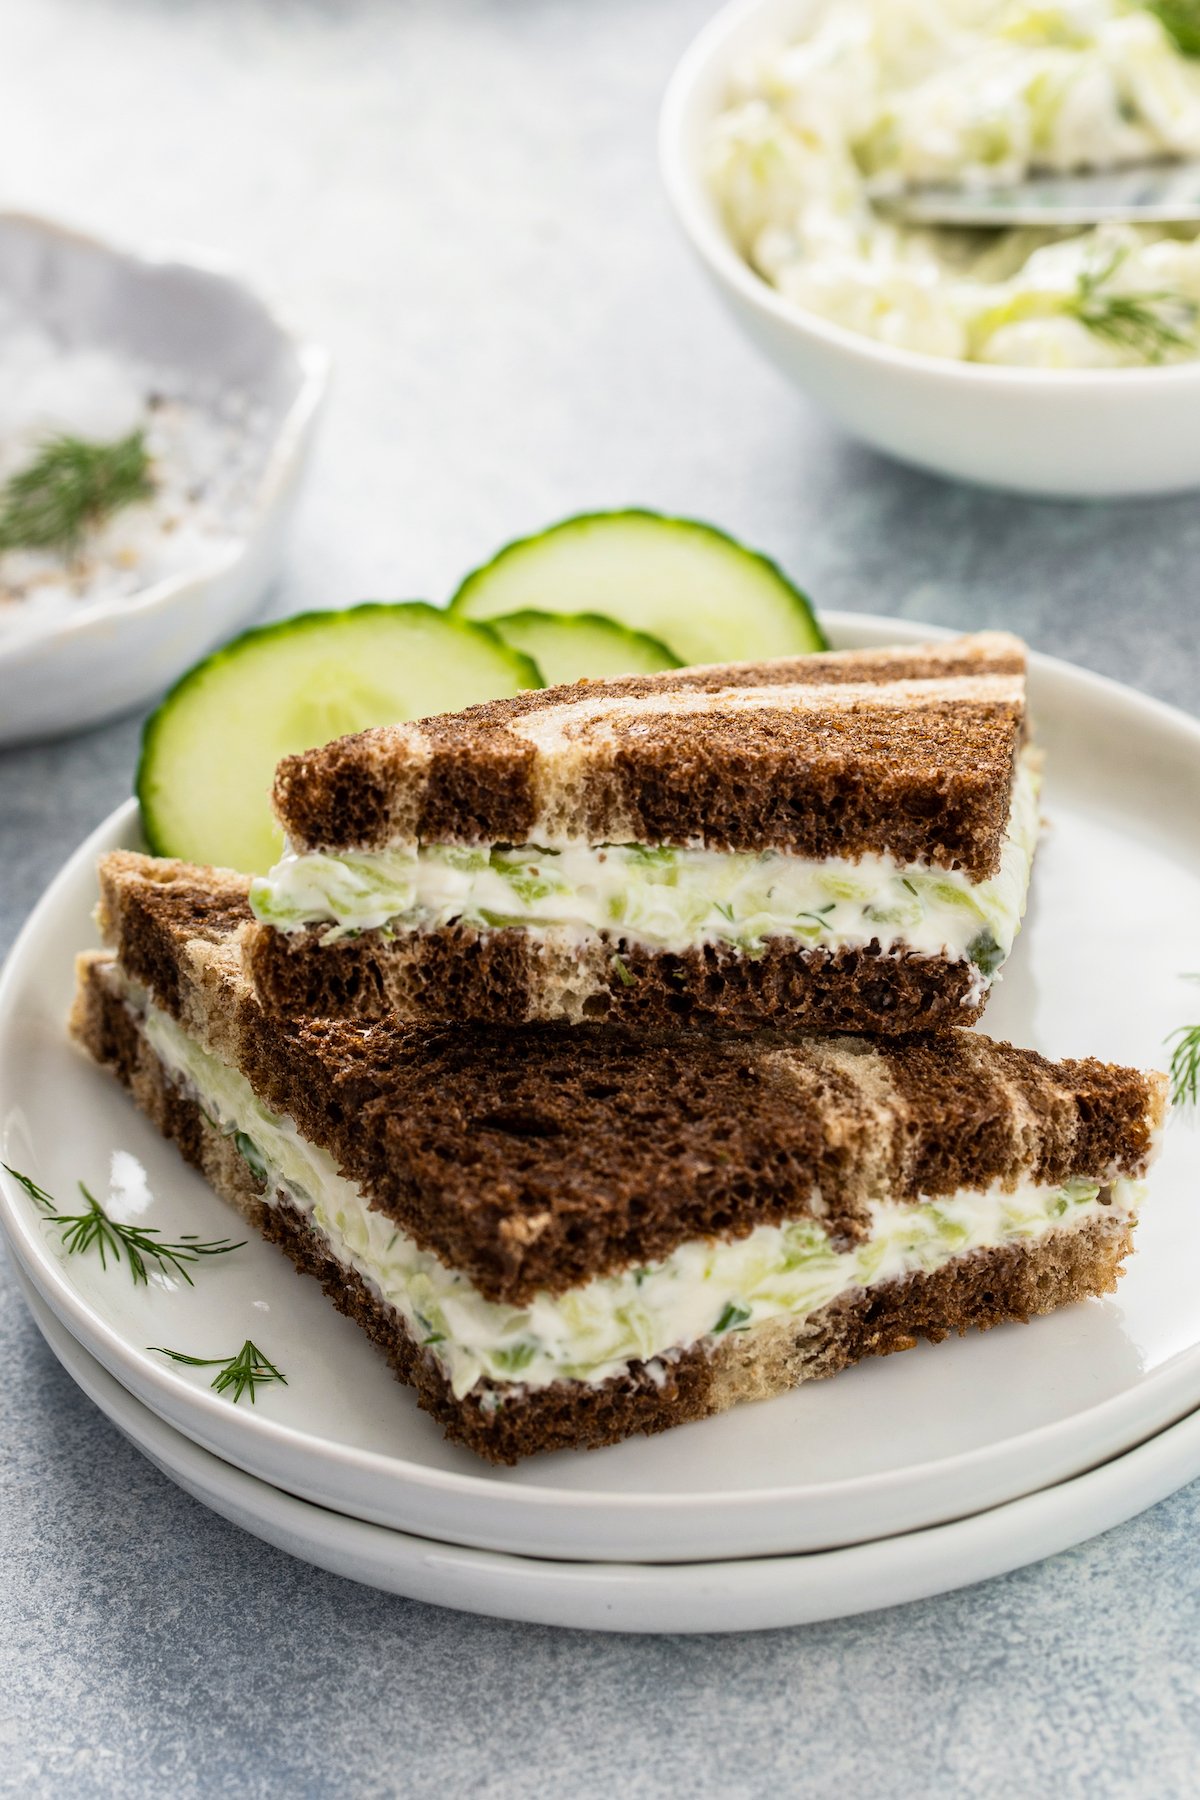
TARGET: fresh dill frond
(1180,20)
(244,1372)
(1185,1066)
(136,1244)
(69,488)
(31,1187)
(732,1315)
(1149,323)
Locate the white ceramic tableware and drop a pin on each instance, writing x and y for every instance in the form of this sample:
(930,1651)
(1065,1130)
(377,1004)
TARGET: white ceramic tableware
(184,312)
(753,1594)
(1040,431)
(889,1446)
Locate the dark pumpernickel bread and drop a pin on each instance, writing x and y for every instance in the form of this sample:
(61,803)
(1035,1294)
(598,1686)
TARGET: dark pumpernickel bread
(507,976)
(536,1159)
(985,1289)
(992,1287)
(907,751)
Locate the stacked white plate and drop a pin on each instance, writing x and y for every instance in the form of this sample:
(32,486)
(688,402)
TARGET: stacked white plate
(902,1478)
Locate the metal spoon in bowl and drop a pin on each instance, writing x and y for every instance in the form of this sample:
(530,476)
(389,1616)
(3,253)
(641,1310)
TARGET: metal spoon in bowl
(1151,193)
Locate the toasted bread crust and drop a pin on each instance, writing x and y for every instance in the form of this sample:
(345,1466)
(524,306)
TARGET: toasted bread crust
(907,751)
(535,1159)
(978,1291)
(509,976)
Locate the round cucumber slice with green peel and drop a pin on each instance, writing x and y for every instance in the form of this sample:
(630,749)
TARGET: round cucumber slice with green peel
(209,752)
(566,646)
(701,592)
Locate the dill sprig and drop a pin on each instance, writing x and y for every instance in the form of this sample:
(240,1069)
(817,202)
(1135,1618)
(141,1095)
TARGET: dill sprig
(1149,323)
(70,487)
(245,1371)
(1185,1066)
(1180,20)
(30,1185)
(136,1244)
(622,973)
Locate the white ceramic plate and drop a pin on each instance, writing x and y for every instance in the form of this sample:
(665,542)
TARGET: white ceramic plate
(749,1595)
(183,312)
(890,1446)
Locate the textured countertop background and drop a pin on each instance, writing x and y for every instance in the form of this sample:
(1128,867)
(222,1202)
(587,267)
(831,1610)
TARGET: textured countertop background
(460,198)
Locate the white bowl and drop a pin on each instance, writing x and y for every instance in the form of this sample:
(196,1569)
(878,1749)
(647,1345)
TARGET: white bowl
(183,312)
(1073,433)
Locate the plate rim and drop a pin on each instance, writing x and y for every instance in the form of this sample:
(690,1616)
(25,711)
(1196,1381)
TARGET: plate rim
(653,1598)
(405,1475)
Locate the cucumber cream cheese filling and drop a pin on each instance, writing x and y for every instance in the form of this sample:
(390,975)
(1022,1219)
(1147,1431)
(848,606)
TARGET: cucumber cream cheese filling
(703,1290)
(878,95)
(670,899)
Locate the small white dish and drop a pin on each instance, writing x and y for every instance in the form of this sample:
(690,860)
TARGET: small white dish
(1070,433)
(184,312)
(751,1594)
(891,1446)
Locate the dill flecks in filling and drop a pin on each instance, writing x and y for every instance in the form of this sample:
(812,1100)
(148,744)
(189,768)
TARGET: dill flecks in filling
(665,898)
(706,1289)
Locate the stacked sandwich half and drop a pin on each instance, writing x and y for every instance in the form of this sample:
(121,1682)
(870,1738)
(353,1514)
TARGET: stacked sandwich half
(599,1050)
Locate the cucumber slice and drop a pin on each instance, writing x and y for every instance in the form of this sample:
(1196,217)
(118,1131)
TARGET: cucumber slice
(705,595)
(209,752)
(566,646)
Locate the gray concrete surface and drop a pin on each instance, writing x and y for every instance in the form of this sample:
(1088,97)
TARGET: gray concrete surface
(460,198)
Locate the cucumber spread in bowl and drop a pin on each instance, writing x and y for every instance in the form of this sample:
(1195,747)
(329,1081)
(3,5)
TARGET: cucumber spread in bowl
(883,94)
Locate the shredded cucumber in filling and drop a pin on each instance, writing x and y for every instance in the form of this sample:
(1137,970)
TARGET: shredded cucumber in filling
(703,1290)
(668,899)
(879,94)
